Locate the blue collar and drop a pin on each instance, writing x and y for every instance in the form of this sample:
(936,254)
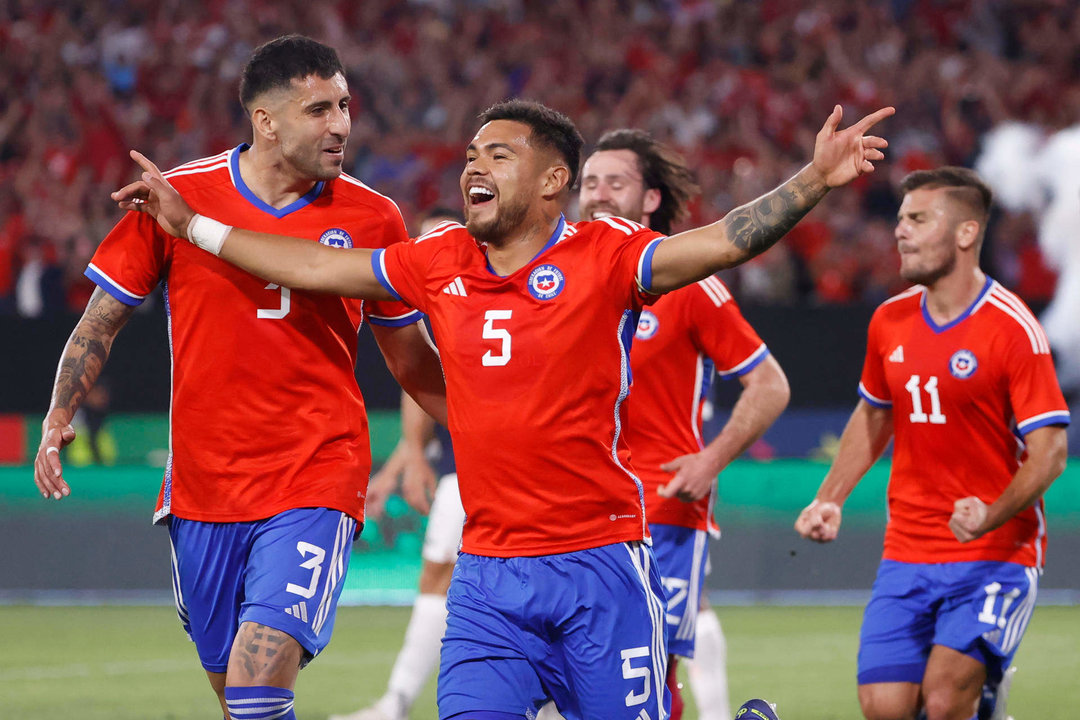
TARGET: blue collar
(963,316)
(559,229)
(238,181)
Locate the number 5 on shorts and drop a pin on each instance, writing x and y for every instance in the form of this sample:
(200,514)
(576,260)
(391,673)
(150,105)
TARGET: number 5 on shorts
(629,672)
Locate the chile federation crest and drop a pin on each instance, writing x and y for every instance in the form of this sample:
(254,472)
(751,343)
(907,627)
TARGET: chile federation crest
(963,364)
(546,281)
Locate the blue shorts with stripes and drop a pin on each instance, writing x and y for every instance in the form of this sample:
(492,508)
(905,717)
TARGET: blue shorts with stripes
(681,554)
(980,609)
(585,629)
(284,572)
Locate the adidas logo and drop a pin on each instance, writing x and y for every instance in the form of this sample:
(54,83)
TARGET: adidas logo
(456,288)
(299,610)
(897,354)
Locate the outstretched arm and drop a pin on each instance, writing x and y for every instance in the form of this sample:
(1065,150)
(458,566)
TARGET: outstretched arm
(290,262)
(764,396)
(81,363)
(1047,451)
(840,156)
(864,439)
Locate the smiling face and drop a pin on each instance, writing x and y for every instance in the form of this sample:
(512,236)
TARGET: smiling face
(310,123)
(927,236)
(502,180)
(612,184)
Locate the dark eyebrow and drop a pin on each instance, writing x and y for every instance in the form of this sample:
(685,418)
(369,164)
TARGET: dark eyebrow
(492,146)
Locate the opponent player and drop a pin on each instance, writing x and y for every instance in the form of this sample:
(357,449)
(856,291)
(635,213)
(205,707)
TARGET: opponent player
(555,578)
(680,339)
(959,370)
(269,456)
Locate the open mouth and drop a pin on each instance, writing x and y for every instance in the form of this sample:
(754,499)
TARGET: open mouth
(480,195)
(337,151)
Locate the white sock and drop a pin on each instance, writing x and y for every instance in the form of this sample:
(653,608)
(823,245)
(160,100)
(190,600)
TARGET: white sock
(708,670)
(418,656)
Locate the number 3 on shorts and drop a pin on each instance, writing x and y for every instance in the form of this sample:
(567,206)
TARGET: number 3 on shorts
(314,563)
(629,672)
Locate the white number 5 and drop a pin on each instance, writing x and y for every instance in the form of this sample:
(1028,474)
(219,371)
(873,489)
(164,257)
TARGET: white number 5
(630,672)
(493,333)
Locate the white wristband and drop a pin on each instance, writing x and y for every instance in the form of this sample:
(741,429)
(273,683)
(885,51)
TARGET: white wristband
(207,233)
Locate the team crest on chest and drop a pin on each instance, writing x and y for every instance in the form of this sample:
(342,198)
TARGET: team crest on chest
(963,364)
(336,237)
(647,325)
(546,281)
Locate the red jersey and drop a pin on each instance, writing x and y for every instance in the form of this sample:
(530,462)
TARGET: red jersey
(962,395)
(679,341)
(537,368)
(266,415)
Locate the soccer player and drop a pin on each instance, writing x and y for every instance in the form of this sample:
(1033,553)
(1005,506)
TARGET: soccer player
(555,593)
(680,339)
(959,373)
(269,456)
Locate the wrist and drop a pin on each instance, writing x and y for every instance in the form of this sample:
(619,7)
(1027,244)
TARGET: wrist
(207,233)
(815,178)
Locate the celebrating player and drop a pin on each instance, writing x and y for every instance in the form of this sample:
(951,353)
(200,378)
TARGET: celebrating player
(269,455)
(959,371)
(680,339)
(534,317)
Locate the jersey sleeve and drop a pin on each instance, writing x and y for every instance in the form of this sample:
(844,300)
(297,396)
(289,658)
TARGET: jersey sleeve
(632,246)
(720,331)
(131,260)
(384,312)
(399,269)
(1034,392)
(873,387)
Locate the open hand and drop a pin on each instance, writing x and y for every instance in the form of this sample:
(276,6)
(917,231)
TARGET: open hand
(843,155)
(56,433)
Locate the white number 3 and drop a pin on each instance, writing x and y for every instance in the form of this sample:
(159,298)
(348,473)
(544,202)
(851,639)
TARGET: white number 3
(280,311)
(493,333)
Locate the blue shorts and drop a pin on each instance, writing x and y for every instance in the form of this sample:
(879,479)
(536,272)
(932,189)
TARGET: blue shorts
(284,572)
(681,554)
(584,629)
(980,609)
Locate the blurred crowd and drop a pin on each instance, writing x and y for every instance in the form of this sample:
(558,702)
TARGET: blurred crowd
(741,87)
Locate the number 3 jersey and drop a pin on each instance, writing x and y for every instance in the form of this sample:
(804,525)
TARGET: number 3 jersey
(266,414)
(962,395)
(537,368)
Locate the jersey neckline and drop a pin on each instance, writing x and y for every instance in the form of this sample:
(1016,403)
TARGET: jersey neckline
(963,316)
(251,197)
(556,236)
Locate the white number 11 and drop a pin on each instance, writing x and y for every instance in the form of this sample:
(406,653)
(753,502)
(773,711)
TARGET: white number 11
(917,415)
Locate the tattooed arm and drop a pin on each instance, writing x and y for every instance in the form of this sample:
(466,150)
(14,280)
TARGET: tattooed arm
(80,365)
(751,229)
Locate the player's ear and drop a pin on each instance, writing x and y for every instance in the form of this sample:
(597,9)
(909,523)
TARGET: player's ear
(650,201)
(556,179)
(262,122)
(967,234)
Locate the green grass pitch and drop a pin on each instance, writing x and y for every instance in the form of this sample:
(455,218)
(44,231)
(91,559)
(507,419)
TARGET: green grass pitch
(128,663)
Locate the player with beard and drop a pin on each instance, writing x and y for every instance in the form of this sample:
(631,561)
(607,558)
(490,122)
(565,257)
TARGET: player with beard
(533,317)
(269,457)
(680,340)
(958,372)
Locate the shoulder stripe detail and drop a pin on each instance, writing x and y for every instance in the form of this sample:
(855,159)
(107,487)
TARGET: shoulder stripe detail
(1023,315)
(440,229)
(112,287)
(353,181)
(197,170)
(627,227)
(880,403)
(1039,345)
(212,159)
(716,290)
(913,290)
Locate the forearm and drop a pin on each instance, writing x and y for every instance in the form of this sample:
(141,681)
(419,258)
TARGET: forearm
(745,232)
(1047,453)
(414,363)
(417,427)
(303,265)
(864,439)
(761,402)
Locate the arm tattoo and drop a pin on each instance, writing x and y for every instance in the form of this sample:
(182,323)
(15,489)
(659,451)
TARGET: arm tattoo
(87,349)
(756,226)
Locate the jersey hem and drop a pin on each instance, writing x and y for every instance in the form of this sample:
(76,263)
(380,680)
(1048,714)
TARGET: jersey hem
(559,549)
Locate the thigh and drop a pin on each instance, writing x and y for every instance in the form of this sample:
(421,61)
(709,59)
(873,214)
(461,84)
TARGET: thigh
(208,565)
(485,663)
(442,540)
(296,568)
(681,556)
(987,611)
(609,656)
(898,625)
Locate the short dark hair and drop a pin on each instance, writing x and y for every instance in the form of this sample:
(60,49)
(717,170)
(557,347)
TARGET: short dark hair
(277,63)
(662,169)
(550,129)
(964,186)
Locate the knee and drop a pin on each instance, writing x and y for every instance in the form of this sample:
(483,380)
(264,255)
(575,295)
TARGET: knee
(262,655)
(946,705)
(878,706)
